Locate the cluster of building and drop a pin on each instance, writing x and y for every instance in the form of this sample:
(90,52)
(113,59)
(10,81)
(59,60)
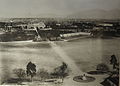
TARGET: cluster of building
(10,31)
(52,30)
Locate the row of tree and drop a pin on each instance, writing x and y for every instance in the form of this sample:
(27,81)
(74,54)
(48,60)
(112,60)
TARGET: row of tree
(59,72)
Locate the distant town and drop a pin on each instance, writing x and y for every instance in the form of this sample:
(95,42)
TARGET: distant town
(42,29)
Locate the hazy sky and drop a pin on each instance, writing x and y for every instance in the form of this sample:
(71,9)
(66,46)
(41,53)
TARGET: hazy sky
(23,8)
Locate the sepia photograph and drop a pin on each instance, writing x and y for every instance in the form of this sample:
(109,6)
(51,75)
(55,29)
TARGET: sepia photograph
(59,42)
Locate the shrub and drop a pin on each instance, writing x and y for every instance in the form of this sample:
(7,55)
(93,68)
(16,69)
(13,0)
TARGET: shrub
(43,74)
(61,71)
(19,72)
(102,67)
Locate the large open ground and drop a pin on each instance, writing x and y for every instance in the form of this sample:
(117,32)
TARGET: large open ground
(81,56)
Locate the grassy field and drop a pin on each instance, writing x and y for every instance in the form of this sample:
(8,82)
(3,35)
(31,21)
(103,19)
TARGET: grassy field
(81,56)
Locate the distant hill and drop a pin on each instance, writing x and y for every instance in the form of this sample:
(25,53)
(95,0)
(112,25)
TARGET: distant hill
(97,14)
(88,14)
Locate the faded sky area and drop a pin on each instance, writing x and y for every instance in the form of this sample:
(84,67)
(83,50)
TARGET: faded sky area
(36,8)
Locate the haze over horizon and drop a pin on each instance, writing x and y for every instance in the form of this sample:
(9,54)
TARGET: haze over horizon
(60,8)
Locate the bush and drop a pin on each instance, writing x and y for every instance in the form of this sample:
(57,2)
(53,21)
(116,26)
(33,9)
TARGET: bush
(61,71)
(43,74)
(59,74)
(102,67)
(19,72)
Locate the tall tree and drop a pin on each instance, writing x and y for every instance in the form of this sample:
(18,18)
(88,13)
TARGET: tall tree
(61,71)
(31,69)
(113,61)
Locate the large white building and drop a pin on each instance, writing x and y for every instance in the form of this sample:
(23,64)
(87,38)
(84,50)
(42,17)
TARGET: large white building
(39,25)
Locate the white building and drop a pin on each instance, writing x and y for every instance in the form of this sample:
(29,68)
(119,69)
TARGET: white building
(39,25)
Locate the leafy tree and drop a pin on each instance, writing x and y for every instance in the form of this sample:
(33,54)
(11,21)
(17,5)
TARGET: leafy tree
(61,71)
(31,70)
(102,67)
(113,61)
(43,74)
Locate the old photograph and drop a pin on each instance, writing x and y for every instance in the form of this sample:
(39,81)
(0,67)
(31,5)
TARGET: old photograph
(59,42)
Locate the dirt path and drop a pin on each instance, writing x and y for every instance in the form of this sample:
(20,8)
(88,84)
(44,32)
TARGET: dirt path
(75,70)
(65,58)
